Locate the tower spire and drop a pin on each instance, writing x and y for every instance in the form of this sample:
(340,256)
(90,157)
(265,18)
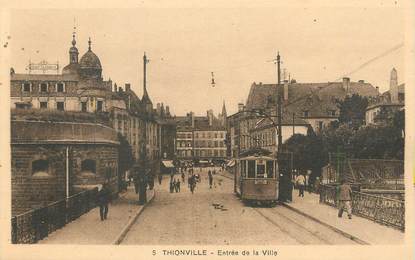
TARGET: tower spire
(89,44)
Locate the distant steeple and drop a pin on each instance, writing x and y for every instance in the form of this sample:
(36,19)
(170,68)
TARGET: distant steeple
(393,86)
(224,109)
(146,98)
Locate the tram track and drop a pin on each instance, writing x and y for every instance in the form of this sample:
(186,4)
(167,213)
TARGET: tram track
(302,229)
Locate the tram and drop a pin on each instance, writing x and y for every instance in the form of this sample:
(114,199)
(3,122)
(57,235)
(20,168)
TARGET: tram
(256,177)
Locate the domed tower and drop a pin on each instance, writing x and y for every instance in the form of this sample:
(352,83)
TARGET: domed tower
(90,65)
(73,66)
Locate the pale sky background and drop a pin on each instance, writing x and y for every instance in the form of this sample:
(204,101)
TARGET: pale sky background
(184,45)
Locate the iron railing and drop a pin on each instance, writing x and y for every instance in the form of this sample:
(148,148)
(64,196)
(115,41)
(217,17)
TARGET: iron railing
(387,211)
(36,224)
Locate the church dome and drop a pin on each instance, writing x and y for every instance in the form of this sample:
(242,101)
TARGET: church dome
(90,65)
(90,61)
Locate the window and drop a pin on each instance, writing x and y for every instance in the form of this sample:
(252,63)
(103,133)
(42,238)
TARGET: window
(26,87)
(99,106)
(60,106)
(260,170)
(215,153)
(216,135)
(320,125)
(83,106)
(88,166)
(43,104)
(251,169)
(270,169)
(305,113)
(40,168)
(43,87)
(60,87)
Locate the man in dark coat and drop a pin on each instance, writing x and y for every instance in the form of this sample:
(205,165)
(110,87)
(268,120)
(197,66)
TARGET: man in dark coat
(210,179)
(104,196)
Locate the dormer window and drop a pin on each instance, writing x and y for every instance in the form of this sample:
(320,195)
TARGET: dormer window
(43,87)
(332,112)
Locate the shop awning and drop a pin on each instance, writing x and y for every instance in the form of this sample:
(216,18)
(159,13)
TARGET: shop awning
(168,164)
(231,163)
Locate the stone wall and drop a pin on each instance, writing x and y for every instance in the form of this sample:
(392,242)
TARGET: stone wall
(46,142)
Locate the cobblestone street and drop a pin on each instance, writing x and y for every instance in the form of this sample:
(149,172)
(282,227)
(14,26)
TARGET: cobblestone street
(183,219)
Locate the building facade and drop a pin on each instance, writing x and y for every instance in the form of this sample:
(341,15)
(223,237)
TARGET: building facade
(200,138)
(88,106)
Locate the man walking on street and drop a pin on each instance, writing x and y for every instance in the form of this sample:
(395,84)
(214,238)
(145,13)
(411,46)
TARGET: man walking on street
(300,180)
(210,179)
(103,200)
(345,199)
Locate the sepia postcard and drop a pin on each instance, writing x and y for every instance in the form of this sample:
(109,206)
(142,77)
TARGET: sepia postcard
(207,129)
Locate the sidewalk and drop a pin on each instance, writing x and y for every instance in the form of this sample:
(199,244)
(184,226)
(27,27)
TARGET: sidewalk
(358,227)
(89,229)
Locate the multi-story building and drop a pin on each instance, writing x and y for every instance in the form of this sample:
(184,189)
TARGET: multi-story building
(200,138)
(303,105)
(382,107)
(87,105)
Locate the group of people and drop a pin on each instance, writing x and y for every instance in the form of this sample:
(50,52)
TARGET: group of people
(174,185)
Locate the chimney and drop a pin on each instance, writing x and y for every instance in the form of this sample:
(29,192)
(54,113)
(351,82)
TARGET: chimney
(285,90)
(192,117)
(115,87)
(127,87)
(158,109)
(240,107)
(210,117)
(119,89)
(167,111)
(346,84)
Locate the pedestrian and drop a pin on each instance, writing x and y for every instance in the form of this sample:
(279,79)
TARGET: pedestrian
(172,184)
(214,171)
(307,182)
(160,178)
(317,185)
(130,178)
(192,183)
(183,177)
(178,185)
(210,179)
(345,199)
(300,180)
(103,201)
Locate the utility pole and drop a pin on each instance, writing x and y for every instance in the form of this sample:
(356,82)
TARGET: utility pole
(142,195)
(279,109)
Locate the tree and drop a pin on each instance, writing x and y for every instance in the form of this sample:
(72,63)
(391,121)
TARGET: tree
(352,110)
(125,155)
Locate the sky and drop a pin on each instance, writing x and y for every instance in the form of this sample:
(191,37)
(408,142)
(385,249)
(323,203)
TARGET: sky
(237,44)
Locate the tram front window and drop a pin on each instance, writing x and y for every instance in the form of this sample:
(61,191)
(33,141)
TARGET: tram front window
(260,170)
(251,169)
(270,169)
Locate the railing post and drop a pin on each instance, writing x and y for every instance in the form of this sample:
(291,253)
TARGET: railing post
(14,230)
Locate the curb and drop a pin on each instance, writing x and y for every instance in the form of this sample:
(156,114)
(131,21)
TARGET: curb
(341,232)
(127,228)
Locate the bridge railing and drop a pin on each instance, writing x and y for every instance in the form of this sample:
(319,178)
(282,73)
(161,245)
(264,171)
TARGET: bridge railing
(387,211)
(36,224)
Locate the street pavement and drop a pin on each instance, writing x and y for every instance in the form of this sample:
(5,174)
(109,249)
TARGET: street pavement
(89,229)
(364,229)
(192,219)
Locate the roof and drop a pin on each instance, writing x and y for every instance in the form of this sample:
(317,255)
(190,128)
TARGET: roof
(316,98)
(90,61)
(42,77)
